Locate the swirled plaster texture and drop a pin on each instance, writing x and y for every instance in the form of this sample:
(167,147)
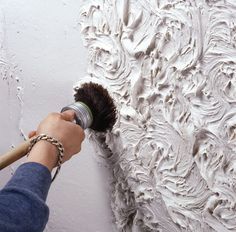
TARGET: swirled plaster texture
(170,65)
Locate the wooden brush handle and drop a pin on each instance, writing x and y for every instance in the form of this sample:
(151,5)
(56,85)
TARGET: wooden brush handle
(14,154)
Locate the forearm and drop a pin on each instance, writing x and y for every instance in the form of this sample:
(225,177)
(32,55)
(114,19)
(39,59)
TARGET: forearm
(22,200)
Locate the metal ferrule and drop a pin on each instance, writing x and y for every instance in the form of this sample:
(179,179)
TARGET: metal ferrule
(84,116)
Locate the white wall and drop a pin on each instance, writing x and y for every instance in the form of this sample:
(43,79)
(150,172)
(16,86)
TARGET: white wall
(171,67)
(44,53)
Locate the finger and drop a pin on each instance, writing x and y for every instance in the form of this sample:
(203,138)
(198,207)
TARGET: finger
(68,115)
(32,134)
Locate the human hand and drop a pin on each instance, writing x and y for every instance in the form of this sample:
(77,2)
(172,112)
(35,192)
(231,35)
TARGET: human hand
(61,127)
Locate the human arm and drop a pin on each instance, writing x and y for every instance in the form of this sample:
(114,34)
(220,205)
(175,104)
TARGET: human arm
(22,200)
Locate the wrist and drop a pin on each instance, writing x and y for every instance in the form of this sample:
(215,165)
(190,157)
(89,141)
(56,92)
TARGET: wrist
(44,153)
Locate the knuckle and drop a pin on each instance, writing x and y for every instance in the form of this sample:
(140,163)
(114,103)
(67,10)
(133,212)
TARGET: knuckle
(54,116)
(80,132)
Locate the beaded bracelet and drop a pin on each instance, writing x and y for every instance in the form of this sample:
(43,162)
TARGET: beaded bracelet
(54,142)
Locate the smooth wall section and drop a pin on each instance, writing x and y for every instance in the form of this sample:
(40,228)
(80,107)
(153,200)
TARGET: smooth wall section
(42,57)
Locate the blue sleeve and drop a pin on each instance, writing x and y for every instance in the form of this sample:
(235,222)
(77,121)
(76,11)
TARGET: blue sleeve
(22,200)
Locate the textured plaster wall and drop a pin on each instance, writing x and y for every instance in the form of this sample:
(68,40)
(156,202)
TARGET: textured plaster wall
(41,58)
(170,65)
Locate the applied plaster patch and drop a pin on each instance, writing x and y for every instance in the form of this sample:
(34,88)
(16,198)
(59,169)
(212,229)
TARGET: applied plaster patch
(170,66)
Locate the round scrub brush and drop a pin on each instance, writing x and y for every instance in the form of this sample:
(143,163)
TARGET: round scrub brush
(94,107)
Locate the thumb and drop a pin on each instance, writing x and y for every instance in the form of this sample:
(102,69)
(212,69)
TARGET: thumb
(68,115)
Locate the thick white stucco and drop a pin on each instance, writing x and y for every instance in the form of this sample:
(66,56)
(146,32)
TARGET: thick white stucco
(41,45)
(170,65)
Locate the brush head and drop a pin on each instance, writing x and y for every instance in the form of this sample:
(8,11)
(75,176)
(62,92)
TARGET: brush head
(100,104)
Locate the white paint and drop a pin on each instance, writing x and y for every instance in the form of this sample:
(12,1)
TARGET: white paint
(171,66)
(41,45)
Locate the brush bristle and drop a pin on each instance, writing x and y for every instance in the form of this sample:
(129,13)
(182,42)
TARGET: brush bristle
(100,103)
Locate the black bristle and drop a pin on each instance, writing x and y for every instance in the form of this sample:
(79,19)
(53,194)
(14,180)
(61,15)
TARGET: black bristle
(100,103)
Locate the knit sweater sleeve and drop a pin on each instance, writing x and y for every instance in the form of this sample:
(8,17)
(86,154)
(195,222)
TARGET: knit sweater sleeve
(22,200)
